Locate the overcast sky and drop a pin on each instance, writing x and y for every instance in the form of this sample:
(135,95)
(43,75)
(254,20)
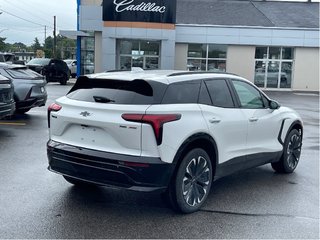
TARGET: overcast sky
(40,13)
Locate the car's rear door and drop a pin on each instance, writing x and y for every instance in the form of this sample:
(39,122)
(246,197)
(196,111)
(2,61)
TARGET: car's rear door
(227,124)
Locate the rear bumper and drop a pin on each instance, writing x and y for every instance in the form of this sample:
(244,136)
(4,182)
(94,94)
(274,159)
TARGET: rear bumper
(32,102)
(109,169)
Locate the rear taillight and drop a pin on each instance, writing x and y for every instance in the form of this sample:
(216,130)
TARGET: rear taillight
(53,108)
(155,120)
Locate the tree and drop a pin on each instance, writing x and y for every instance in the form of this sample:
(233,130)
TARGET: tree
(3,45)
(18,47)
(48,47)
(36,45)
(65,47)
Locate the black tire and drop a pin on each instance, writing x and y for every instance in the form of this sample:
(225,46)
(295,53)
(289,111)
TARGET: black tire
(78,182)
(191,184)
(291,153)
(64,80)
(22,111)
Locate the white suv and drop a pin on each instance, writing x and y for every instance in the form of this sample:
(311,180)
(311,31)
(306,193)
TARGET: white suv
(168,130)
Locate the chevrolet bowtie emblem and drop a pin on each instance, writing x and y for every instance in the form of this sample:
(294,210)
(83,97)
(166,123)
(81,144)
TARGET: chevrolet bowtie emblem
(85,114)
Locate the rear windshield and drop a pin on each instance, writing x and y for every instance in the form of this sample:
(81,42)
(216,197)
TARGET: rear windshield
(23,73)
(40,61)
(108,91)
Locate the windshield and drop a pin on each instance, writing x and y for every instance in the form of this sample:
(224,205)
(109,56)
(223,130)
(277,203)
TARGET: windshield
(68,61)
(40,61)
(9,57)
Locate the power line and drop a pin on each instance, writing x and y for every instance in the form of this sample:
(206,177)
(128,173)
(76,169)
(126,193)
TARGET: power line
(25,10)
(11,14)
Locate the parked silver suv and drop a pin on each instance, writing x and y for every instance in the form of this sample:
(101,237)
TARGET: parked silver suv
(29,86)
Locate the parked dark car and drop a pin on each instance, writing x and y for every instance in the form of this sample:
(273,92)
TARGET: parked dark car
(29,86)
(7,105)
(54,70)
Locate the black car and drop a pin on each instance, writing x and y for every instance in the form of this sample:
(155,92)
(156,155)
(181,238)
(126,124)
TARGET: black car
(7,105)
(54,70)
(29,86)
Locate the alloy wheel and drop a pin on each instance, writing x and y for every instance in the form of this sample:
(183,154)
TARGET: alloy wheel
(196,181)
(294,151)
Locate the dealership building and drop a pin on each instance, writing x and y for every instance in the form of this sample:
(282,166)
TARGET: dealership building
(271,43)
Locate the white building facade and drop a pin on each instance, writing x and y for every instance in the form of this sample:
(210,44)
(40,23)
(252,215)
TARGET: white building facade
(253,40)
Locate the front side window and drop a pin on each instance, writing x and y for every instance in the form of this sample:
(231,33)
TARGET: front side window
(249,96)
(220,93)
(273,67)
(207,57)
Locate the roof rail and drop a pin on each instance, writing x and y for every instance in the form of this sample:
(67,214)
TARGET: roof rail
(111,71)
(133,69)
(197,72)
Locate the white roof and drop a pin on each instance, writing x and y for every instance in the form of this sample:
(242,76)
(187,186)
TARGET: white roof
(163,76)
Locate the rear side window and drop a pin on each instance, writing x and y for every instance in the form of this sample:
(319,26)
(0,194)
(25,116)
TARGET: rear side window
(117,92)
(220,93)
(186,92)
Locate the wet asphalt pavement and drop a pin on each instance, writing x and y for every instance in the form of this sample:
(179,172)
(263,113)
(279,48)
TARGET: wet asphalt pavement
(257,203)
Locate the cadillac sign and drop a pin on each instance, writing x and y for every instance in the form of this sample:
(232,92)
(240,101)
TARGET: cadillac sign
(158,11)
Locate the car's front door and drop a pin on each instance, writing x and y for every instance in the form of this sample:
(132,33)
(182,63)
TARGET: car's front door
(263,123)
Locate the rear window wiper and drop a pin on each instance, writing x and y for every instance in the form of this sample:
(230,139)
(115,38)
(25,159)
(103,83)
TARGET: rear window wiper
(102,99)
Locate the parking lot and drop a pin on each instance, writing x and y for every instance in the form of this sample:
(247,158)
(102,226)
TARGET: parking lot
(257,203)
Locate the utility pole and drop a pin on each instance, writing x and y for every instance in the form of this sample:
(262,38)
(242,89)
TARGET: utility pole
(45,33)
(54,38)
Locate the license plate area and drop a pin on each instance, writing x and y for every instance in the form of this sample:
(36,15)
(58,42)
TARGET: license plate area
(89,134)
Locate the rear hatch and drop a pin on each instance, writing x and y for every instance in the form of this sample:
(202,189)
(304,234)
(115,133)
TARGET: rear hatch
(90,116)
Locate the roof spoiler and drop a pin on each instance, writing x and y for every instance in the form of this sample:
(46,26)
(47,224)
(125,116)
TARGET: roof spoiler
(138,85)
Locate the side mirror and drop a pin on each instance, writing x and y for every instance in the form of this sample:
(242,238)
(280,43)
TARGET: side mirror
(274,105)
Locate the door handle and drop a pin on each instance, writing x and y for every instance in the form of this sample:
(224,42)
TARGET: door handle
(253,119)
(214,120)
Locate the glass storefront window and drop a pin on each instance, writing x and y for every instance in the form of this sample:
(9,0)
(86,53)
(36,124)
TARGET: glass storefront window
(149,48)
(196,65)
(274,53)
(217,65)
(207,57)
(197,50)
(286,75)
(287,53)
(273,67)
(152,63)
(138,53)
(125,63)
(261,53)
(272,74)
(87,55)
(217,51)
(260,70)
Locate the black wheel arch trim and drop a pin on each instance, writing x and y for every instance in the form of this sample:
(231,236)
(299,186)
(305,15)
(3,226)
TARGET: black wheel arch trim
(186,146)
(296,122)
